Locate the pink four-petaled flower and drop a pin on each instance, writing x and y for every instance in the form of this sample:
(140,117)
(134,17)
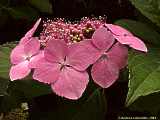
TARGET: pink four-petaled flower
(24,54)
(109,40)
(21,57)
(64,67)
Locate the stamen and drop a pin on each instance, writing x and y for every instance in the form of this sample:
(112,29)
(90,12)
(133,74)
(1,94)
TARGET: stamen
(70,32)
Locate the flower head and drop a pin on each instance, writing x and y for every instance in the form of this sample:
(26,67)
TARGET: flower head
(111,41)
(26,53)
(68,31)
(68,50)
(64,67)
(22,55)
(113,57)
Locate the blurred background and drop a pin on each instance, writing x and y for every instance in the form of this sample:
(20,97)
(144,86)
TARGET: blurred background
(18,16)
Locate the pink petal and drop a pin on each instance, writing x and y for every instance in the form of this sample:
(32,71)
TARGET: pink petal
(32,47)
(19,71)
(119,55)
(82,54)
(71,83)
(55,51)
(46,72)
(117,30)
(30,33)
(104,72)
(33,29)
(17,54)
(23,40)
(133,42)
(102,38)
(34,60)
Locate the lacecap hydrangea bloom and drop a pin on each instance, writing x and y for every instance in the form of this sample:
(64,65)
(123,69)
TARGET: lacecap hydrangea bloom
(62,53)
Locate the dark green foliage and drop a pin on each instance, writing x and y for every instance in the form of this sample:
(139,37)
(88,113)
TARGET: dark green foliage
(149,8)
(17,16)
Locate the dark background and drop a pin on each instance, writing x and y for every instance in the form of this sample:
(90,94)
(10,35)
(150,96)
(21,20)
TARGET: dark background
(12,29)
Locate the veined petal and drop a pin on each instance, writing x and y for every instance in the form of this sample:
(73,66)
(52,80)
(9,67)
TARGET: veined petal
(46,72)
(18,55)
(119,55)
(104,72)
(30,33)
(34,61)
(102,38)
(23,51)
(56,51)
(82,54)
(32,47)
(71,83)
(19,71)
(24,40)
(133,42)
(118,30)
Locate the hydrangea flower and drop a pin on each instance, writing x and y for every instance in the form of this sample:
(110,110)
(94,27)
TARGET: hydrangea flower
(113,53)
(21,57)
(69,32)
(26,53)
(64,67)
(68,50)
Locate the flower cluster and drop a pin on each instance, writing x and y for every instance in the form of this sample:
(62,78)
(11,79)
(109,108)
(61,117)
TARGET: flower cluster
(63,52)
(69,32)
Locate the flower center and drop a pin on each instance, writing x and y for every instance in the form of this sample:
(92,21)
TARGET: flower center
(28,58)
(104,56)
(88,31)
(76,36)
(64,64)
(70,32)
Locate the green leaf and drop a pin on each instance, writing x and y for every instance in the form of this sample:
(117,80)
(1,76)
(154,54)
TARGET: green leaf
(30,88)
(4,77)
(149,8)
(144,74)
(43,6)
(23,12)
(17,11)
(11,100)
(87,108)
(22,91)
(145,32)
(4,67)
(93,108)
(5,60)
(146,104)
(3,86)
